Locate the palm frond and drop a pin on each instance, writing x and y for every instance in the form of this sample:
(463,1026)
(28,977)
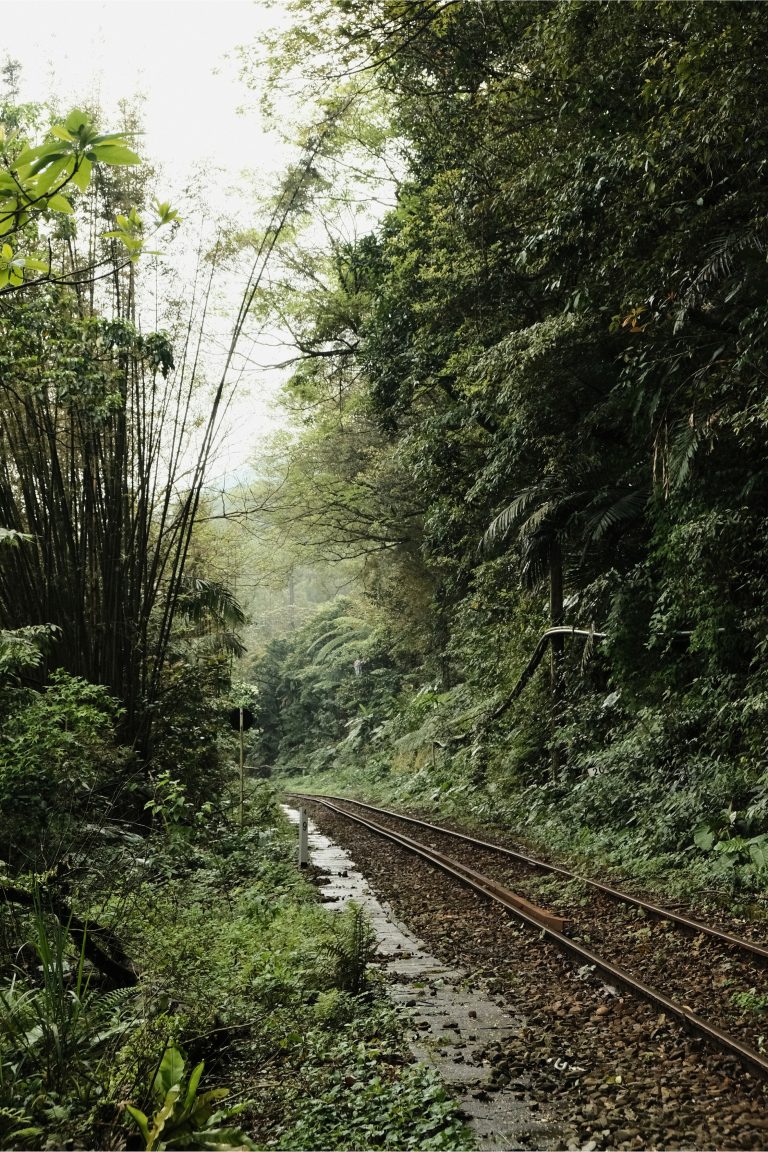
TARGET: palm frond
(534,569)
(685,446)
(537,519)
(201,599)
(622,510)
(720,257)
(221,642)
(512,514)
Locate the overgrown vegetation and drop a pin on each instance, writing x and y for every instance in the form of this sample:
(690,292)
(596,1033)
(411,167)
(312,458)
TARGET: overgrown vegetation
(510,552)
(255,1022)
(531,396)
(167,978)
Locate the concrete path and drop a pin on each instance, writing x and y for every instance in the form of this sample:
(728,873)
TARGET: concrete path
(452,1018)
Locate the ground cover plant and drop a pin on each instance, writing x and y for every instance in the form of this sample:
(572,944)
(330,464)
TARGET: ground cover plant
(255,1020)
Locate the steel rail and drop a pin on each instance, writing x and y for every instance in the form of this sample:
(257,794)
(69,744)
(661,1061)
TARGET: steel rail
(476,880)
(656,910)
(747,1056)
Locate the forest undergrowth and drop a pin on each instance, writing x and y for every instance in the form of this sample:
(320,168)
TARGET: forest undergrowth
(664,790)
(256,1020)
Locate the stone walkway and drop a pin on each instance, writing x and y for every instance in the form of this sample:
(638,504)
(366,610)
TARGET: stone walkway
(452,1018)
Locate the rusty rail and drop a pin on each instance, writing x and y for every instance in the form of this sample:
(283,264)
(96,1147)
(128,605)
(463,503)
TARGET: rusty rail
(749,1057)
(656,910)
(483,884)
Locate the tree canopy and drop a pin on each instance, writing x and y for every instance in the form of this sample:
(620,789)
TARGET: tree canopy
(557,337)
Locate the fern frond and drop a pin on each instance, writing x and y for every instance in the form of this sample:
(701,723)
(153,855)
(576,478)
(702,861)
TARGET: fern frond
(352,949)
(352,628)
(719,261)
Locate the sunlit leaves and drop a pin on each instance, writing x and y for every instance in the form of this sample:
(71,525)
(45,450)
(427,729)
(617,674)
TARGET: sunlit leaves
(130,232)
(13,266)
(33,180)
(131,229)
(81,176)
(164,214)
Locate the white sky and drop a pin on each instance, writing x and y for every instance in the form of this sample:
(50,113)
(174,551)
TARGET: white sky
(171,52)
(173,55)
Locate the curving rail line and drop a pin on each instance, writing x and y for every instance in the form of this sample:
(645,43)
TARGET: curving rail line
(546,923)
(532,861)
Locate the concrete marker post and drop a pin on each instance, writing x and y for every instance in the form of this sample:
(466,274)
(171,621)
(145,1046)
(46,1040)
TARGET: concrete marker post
(242,770)
(303,838)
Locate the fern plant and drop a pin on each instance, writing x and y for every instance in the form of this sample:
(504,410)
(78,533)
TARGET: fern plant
(351,950)
(57,1032)
(185,1117)
(59,1039)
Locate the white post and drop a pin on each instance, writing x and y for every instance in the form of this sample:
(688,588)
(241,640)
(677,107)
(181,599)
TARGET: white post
(303,840)
(242,770)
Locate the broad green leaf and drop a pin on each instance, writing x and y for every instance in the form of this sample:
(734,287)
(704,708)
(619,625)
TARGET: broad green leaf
(27,156)
(704,837)
(50,158)
(205,1105)
(160,1117)
(6,252)
(140,1119)
(47,179)
(194,1080)
(81,177)
(61,133)
(170,1072)
(76,121)
(114,154)
(59,203)
(111,138)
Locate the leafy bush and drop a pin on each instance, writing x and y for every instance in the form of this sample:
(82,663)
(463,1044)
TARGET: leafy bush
(58,762)
(186,1117)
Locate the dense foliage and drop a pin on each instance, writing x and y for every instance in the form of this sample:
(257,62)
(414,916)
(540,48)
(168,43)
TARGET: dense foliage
(242,972)
(550,359)
(528,427)
(167,977)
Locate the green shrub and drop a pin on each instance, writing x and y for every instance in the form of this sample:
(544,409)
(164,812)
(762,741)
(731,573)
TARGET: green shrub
(58,763)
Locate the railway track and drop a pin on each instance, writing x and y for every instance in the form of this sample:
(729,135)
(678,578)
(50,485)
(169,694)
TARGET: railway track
(693,972)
